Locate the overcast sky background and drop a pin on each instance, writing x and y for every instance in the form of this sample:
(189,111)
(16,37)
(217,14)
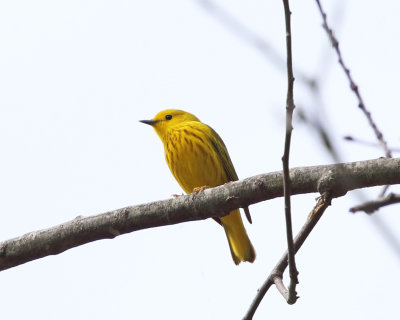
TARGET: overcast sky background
(75,78)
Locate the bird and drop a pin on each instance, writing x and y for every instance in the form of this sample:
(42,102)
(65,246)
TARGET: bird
(198,158)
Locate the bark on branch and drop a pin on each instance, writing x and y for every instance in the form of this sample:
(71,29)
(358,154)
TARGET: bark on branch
(336,179)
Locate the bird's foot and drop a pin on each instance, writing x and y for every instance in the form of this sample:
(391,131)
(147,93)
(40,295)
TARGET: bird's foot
(198,189)
(177,195)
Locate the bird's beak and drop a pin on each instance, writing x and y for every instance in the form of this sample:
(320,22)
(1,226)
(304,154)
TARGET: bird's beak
(149,122)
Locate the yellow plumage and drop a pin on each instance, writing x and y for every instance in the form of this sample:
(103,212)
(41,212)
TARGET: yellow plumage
(197,157)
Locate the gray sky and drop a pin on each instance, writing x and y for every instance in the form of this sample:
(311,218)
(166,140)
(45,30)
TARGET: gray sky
(75,78)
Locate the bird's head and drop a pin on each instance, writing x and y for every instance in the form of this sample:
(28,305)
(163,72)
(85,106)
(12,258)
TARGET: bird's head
(168,119)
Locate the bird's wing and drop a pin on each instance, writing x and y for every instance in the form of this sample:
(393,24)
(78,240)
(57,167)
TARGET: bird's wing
(223,155)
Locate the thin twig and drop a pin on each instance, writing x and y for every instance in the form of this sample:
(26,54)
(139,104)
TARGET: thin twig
(371,206)
(323,202)
(367,143)
(292,295)
(353,85)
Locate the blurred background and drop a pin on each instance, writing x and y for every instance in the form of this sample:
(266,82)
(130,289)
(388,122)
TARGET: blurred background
(75,78)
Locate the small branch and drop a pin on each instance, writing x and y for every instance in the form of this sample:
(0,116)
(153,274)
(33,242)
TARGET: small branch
(371,206)
(206,204)
(276,274)
(367,143)
(292,295)
(353,85)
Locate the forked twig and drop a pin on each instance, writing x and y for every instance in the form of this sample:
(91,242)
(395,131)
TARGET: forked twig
(275,276)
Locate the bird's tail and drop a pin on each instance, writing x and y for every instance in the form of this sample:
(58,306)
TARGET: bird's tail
(239,242)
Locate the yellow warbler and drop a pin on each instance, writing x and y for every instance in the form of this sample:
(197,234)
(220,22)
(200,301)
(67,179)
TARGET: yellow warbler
(197,157)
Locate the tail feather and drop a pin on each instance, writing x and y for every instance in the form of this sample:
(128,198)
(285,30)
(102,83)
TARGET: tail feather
(239,242)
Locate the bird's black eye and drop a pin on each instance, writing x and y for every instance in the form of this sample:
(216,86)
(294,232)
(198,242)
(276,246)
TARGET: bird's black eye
(168,117)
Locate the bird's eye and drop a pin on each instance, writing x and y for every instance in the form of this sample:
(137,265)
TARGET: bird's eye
(168,117)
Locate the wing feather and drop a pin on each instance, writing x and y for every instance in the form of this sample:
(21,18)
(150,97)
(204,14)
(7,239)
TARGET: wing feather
(223,155)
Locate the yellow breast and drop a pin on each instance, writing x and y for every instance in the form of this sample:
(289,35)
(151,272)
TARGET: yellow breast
(192,158)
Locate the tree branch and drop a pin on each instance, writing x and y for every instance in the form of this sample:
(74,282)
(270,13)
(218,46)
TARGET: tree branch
(337,179)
